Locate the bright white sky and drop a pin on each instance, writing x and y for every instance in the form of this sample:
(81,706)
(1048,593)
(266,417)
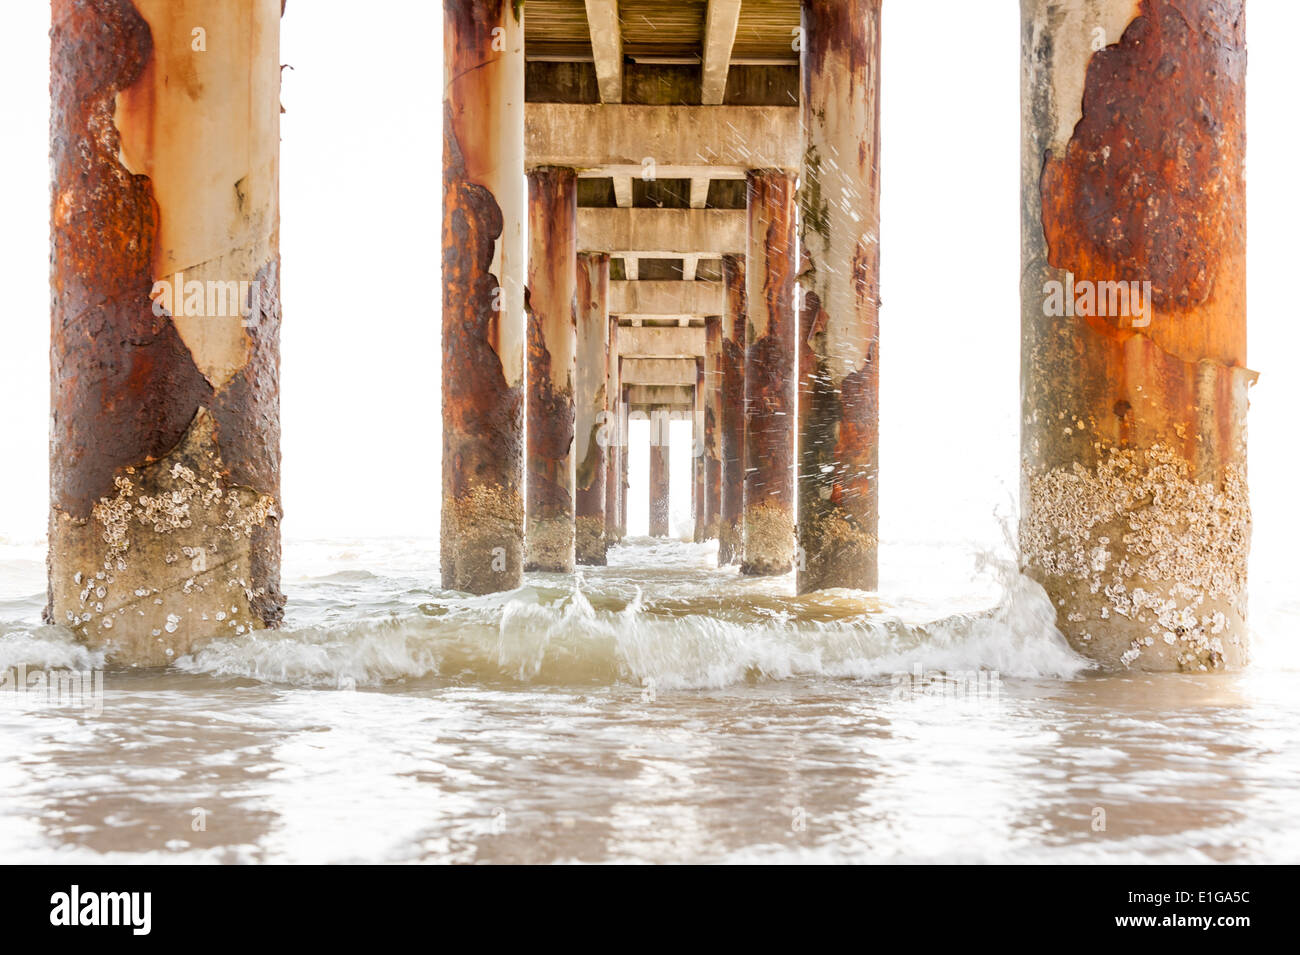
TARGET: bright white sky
(361,192)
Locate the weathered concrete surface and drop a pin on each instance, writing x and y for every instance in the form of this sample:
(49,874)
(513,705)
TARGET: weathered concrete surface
(613,139)
(661,342)
(661,233)
(658,483)
(674,397)
(699,505)
(1135,513)
(484,328)
(659,371)
(712,449)
(612,434)
(735,318)
(552,358)
(164,440)
(839,386)
(591,429)
(665,298)
(770,375)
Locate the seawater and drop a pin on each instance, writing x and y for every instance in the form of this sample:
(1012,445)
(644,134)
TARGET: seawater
(655,710)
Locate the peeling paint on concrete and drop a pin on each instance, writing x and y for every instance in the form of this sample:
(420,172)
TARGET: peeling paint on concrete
(592,451)
(1136,514)
(732,438)
(770,375)
(131,393)
(552,361)
(839,318)
(484,330)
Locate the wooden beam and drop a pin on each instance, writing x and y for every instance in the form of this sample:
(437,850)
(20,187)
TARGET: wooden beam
(719,37)
(607,48)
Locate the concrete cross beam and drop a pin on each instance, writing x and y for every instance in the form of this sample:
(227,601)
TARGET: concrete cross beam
(663,142)
(661,342)
(661,233)
(647,299)
(659,371)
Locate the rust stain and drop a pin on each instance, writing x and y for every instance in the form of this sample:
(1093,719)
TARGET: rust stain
(732,410)
(1151,185)
(124,388)
(770,370)
(552,336)
(712,425)
(483,414)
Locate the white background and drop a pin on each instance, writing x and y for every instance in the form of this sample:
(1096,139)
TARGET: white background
(361,188)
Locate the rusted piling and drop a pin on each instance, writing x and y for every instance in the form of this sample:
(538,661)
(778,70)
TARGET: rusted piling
(658,483)
(839,319)
(612,436)
(165,424)
(623,482)
(552,350)
(732,413)
(1135,513)
(592,441)
(770,375)
(712,425)
(483,324)
(698,479)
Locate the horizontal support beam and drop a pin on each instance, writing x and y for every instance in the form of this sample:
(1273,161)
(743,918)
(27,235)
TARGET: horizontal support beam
(646,342)
(666,298)
(641,399)
(654,140)
(658,371)
(662,233)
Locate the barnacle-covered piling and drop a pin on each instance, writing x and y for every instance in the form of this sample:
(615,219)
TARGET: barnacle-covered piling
(1136,516)
(165,321)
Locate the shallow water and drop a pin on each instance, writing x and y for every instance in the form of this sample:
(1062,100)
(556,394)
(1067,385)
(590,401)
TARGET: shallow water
(657,710)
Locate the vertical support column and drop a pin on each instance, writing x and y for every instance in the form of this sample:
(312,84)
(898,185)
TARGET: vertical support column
(614,437)
(552,356)
(592,430)
(839,197)
(770,375)
(659,502)
(1135,512)
(623,428)
(697,457)
(732,412)
(712,426)
(165,327)
(483,330)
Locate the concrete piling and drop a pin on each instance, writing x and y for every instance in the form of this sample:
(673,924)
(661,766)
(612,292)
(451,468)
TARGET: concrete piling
(592,443)
(484,266)
(770,375)
(165,426)
(839,199)
(1135,513)
(552,357)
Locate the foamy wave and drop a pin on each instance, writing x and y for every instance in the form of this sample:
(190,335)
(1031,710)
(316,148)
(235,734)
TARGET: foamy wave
(539,637)
(46,648)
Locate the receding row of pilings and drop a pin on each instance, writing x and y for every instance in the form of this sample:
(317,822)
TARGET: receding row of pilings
(757,360)
(164,451)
